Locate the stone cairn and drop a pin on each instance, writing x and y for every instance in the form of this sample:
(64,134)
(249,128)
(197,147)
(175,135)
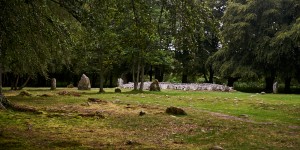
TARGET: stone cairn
(184,86)
(84,83)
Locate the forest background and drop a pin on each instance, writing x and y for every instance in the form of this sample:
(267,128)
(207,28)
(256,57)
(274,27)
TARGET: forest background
(254,42)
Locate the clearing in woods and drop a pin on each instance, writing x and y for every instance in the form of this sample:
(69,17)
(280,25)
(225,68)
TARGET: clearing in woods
(72,119)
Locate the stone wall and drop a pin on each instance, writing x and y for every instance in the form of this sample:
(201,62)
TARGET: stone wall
(184,86)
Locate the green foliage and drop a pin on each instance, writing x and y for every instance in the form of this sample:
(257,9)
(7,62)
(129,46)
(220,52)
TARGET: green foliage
(33,37)
(189,38)
(257,39)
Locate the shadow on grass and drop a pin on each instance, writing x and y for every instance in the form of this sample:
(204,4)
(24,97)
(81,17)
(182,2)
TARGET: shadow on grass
(125,93)
(64,144)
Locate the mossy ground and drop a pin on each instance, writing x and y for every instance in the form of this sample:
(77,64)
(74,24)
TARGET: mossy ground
(230,120)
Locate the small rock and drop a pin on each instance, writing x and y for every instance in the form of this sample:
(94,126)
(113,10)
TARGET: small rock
(216,148)
(244,116)
(88,104)
(175,111)
(70,86)
(97,100)
(262,93)
(63,93)
(117,90)
(45,95)
(25,93)
(129,142)
(117,101)
(142,113)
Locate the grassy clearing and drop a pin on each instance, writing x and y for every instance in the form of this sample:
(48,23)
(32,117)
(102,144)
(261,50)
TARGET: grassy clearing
(230,120)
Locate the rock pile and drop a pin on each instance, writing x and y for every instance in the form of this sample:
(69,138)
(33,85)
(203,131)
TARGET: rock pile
(183,86)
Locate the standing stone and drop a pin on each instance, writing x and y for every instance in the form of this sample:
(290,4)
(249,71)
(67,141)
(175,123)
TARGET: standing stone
(154,86)
(275,88)
(84,83)
(53,84)
(120,82)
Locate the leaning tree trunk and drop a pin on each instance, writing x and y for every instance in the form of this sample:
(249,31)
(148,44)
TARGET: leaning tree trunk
(24,84)
(15,85)
(205,76)
(4,103)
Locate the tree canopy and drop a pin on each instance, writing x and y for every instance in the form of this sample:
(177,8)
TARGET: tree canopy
(231,39)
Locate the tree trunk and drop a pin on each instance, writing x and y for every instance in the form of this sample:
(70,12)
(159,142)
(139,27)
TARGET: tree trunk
(0,78)
(24,84)
(101,73)
(101,89)
(136,19)
(138,74)
(136,77)
(184,78)
(150,73)
(211,75)
(205,76)
(287,84)
(16,83)
(142,78)
(269,84)
(159,74)
(231,80)
(111,80)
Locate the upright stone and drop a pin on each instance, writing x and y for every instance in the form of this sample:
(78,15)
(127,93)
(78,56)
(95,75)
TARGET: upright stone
(120,82)
(275,88)
(53,84)
(154,86)
(84,83)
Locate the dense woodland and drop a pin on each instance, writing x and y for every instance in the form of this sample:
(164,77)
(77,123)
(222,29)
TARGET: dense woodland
(139,40)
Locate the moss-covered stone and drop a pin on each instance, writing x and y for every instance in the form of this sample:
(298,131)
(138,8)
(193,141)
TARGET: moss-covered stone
(175,111)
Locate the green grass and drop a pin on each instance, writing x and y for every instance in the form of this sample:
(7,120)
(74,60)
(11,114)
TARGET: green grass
(214,118)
